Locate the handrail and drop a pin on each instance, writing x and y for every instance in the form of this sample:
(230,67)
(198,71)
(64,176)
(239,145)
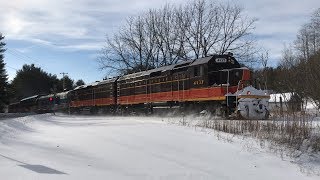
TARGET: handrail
(239,83)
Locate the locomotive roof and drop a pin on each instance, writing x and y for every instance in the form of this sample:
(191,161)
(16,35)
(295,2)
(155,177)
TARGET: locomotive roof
(46,96)
(96,83)
(28,98)
(193,62)
(234,68)
(148,72)
(62,93)
(203,60)
(57,95)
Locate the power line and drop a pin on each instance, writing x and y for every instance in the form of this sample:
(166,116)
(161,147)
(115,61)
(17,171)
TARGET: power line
(24,55)
(12,67)
(24,58)
(20,56)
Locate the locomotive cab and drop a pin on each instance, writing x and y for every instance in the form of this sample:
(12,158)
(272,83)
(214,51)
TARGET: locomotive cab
(240,97)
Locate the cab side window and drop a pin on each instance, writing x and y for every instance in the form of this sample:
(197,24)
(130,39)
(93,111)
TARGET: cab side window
(198,71)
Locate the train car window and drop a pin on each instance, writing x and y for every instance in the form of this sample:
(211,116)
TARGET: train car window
(235,77)
(201,73)
(196,71)
(223,77)
(237,74)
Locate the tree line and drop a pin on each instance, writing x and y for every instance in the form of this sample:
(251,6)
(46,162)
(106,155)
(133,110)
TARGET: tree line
(29,80)
(298,70)
(175,33)
(32,80)
(3,77)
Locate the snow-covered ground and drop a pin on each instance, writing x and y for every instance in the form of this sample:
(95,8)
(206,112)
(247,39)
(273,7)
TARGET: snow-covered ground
(13,115)
(97,147)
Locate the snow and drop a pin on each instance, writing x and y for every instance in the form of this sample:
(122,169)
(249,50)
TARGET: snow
(275,98)
(13,115)
(249,90)
(100,147)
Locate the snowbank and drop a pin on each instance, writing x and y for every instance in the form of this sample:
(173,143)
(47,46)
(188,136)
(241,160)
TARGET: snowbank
(13,115)
(87,147)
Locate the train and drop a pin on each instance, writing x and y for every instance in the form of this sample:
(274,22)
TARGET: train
(216,84)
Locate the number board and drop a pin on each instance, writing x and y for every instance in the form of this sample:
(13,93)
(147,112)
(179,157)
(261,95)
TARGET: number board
(221,60)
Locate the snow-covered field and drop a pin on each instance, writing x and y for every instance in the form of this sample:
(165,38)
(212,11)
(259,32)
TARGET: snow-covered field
(97,147)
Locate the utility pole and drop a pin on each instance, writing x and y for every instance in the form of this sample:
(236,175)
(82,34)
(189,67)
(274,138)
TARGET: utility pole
(63,78)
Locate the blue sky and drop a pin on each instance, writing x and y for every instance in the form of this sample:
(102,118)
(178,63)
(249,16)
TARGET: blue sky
(67,35)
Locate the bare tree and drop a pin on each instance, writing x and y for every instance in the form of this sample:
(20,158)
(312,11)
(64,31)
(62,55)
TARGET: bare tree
(172,33)
(288,77)
(170,43)
(264,58)
(312,83)
(132,49)
(308,38)
(300,63)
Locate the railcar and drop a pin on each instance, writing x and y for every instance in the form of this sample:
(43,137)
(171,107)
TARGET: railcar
(54,102)
(197,84)
(28,104)
(94,97)
(210,83)
(62,101)
(14,107)
(46,103)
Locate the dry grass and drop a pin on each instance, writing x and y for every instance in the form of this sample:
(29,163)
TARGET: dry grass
(295,131)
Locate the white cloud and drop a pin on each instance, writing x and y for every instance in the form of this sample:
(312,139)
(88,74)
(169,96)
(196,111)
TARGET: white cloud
(278,21)
(61,22)
(86,46)
(83,24)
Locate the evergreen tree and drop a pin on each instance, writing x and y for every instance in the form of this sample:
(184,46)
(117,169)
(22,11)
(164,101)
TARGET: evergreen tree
(80,82)
(67,83)
(31,80)
(3,77)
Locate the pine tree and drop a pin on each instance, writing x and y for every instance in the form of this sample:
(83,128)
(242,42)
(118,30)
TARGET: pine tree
(32,80)
(79,83)
(3,77)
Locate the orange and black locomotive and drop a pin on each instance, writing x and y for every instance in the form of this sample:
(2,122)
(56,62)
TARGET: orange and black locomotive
(209,83)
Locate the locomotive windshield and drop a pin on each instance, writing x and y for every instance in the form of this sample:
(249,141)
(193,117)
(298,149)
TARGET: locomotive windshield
(223,70)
